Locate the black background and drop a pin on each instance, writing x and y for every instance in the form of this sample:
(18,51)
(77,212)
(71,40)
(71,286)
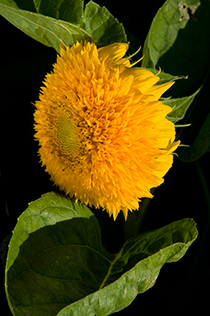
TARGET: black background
(24,63)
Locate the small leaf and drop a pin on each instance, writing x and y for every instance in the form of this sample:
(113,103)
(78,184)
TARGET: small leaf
(101,25)
(200,145)
(57,265)
(164,77)
(170,18)
(179,106)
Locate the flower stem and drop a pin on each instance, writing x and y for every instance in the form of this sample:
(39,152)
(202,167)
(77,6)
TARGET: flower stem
(135,220)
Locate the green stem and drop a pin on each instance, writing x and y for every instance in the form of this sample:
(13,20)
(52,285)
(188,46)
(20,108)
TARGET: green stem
(135,220)
(118,255)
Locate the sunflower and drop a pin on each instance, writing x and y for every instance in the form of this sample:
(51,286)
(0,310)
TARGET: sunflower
(103,133)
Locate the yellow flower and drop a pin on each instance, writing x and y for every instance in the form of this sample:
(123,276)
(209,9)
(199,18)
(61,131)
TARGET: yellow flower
(103,134)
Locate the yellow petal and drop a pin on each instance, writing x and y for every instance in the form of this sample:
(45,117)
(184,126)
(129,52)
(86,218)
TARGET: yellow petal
(158,90)
(113,54)
(144,79)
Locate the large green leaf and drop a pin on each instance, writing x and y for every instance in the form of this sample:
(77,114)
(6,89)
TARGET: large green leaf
(46,30)
(67,10)
(56,22)
(170,18)
(157,248)
(57,265)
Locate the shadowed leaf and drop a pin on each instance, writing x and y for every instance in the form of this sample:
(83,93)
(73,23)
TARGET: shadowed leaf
(58,261)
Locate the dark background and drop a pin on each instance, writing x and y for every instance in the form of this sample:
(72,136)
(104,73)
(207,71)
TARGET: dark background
(24,63)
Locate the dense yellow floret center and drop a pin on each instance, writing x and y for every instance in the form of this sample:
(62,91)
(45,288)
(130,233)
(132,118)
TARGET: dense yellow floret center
(66,133)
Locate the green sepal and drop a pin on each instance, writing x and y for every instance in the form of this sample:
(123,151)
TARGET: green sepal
(179,106)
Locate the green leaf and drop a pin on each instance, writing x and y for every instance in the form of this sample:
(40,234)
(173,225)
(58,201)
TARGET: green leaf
(170,18)
(101,25)
(200,145)
(54,245)
(57,265)
(10,3)
(67,10)
(164,77)
(157,248)
(62,22)
(179,106)
(184,57)
(46,30)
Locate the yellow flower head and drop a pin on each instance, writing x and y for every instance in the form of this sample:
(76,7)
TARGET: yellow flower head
(103,134)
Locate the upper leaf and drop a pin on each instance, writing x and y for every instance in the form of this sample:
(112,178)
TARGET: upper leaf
(46,30)
(170,18)
(67,10)
(101,25)
(57,260)
(56,22)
